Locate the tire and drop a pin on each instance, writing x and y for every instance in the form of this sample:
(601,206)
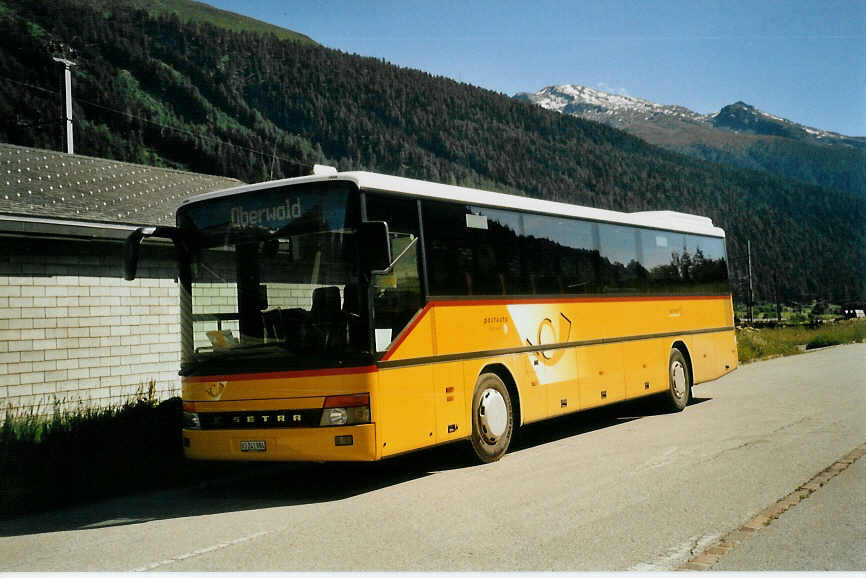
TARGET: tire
(492,418)
(679,381)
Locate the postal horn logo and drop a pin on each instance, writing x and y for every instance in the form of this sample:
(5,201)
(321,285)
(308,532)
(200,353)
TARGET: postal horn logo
(215,390)
(548,335)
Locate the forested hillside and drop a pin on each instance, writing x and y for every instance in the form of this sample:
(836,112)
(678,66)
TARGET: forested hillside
(156,89)
(837,167)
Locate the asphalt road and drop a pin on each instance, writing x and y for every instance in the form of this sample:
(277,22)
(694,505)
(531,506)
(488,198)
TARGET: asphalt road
(622,488)
(825,532)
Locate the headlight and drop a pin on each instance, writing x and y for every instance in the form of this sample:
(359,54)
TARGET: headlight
(346,410)
(335,416)
(191,420)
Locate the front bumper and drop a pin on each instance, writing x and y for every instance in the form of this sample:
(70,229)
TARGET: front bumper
(286,445)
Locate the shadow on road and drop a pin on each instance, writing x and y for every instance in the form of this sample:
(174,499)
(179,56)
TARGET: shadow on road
(251,486)
(579,423)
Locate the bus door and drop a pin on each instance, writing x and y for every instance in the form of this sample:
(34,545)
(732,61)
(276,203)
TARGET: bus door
(407,416)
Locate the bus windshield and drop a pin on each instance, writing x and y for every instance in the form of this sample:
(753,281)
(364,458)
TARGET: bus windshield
(273,281)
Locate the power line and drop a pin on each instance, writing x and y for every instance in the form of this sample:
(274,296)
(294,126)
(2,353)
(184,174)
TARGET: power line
(33,86)
(154,123)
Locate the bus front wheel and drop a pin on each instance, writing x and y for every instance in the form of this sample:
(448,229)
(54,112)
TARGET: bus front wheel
(680,380)
(492,418)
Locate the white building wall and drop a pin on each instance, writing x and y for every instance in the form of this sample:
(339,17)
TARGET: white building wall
(90,338)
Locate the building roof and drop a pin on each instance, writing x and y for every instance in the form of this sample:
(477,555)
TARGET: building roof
(43,184)
(669,220)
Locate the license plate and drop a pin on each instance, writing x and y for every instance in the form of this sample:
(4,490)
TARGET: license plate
(254,446)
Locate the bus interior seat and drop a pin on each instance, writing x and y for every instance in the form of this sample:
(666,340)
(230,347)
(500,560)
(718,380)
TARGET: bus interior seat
(326,325)
(295,328)
(326,305)
(351,300)
(327,315)
(273,324)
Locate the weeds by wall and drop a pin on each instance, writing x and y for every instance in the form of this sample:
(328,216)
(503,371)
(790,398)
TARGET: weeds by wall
(89,453)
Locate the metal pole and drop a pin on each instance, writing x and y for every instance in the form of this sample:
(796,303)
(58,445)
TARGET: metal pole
(776,295)
(67,77)
(749,248)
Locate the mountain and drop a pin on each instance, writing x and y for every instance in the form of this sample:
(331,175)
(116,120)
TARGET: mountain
(155,88)
(616,110)
(744,118)
(739,135)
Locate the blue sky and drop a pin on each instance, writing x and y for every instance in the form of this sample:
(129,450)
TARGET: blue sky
(805,61)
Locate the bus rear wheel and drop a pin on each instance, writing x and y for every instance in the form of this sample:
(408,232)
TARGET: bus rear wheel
(680,381)
(492,418)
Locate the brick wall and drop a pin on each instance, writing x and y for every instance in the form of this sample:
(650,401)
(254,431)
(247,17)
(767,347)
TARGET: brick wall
(72,330)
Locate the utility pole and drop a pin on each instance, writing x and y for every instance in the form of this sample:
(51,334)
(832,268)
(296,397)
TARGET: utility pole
(68,82)
(776,296)
(749,249)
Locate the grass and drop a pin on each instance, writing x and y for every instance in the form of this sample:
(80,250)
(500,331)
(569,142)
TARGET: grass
(74,456)
(754,344)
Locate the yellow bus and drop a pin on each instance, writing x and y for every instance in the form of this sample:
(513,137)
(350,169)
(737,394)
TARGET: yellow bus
(355,316)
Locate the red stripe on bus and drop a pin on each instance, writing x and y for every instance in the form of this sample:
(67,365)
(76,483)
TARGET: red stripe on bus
(544,300)
(283,374)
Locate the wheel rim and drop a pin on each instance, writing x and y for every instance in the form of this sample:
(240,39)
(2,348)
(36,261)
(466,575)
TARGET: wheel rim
(678,379)
(492,415)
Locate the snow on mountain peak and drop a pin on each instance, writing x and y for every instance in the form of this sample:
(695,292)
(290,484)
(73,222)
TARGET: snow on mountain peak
(574,98)
(643,117)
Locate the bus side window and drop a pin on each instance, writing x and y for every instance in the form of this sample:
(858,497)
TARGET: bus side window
(708,270)
(561,254)
(621,270)
(450,249)
(661,253)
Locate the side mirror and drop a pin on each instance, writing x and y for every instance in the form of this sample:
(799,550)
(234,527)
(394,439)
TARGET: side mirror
(130,252)
(375,245)
(133,242)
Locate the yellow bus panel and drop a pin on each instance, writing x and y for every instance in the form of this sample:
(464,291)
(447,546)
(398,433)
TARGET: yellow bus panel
(302,444)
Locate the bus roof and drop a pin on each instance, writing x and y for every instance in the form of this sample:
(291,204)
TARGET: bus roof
(670,220)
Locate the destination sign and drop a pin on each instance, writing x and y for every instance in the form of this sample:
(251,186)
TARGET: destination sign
(312,208)
(272,217)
